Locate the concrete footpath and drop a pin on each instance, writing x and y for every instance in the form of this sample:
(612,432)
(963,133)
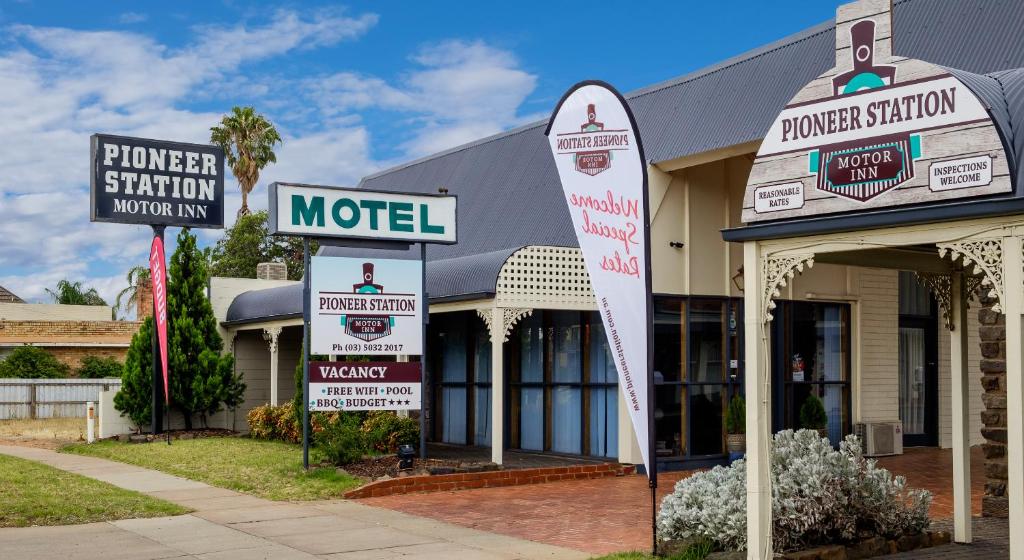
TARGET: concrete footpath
(227,524)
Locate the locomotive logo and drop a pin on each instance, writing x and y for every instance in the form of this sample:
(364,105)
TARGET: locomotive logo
(593,146)
(866,168)
(368,327)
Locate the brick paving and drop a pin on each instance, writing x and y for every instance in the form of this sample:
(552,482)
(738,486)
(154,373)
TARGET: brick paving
(613,514)
(932,469)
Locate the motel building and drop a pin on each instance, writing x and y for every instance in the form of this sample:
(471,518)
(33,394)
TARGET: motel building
(805,240)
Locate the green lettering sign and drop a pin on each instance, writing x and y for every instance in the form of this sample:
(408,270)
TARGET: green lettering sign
(374,206)
(400,215)
(304,214)
(336,213)
(425,224)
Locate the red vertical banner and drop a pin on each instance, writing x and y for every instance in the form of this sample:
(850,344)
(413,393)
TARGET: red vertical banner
(158,277)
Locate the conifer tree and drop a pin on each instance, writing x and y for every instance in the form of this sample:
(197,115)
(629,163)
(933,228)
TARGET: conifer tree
(135,399)
(200,377)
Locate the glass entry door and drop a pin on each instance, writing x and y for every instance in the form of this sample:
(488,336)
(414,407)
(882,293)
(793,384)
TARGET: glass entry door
(918,363)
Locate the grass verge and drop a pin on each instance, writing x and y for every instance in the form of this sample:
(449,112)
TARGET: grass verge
(268,469)
(35,494)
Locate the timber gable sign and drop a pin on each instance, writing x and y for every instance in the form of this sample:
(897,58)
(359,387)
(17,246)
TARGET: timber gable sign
(875,131)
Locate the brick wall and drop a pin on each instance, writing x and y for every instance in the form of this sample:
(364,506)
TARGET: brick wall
(70,341)
(993,367)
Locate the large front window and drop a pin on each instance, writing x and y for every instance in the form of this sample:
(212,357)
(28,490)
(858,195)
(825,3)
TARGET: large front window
(563,386)
(812,357)
(697,368)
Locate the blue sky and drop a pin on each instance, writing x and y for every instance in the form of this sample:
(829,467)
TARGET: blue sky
(353,87)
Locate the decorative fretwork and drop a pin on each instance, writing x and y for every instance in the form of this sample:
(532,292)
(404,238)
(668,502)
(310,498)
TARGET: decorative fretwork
(271,335)
(509,315)
(777,271)
(941,286)
(539,276)
(986,256)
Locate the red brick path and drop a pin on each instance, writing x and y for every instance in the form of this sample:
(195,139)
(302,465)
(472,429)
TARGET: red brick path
(932,469)
(613,514)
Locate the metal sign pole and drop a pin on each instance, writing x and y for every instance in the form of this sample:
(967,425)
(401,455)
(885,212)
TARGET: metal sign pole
(158,381)
(423,352)
(305,351)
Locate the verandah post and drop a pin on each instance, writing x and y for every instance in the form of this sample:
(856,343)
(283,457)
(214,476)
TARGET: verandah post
(497,384)
(961,410)
(1013,307)
(756,386)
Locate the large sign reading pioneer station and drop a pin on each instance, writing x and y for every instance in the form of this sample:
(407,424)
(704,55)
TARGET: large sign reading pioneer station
(361,214)
(367,307)
(876,131)
(154,182)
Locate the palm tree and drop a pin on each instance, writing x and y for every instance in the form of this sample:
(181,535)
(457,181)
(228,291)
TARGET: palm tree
(129,297)
(248,139)
(72,293)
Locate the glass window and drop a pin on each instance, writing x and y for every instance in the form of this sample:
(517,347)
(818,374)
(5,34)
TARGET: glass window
(915,299)
(603,394)
(482,388)
(698,367)
(815,361)
(453,380)
(531,336)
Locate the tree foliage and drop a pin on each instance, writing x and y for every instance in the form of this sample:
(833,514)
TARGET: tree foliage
(73,293)
(32,362)
(128,298)
(135,399)
(96,367)
(248,243)
(201,378)
(248,139)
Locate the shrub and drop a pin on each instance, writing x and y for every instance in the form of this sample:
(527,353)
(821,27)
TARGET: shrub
(385,431)
(342,440)
(812,414)
(95,367)
(274,423)
(819,495)
(32,362)
(736,416)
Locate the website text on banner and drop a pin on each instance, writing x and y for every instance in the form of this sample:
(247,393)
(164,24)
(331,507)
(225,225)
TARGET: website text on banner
(598,156)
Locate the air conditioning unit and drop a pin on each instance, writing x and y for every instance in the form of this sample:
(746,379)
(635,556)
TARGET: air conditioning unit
(880,438)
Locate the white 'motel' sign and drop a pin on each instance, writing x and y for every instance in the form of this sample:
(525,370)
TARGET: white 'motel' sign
(366,307)
(598,157)
(361,214)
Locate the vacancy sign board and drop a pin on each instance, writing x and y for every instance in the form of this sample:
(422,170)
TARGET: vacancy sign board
(316,211)
(366,307)
(364,386)
(600,163)
(155,182)
(876,131)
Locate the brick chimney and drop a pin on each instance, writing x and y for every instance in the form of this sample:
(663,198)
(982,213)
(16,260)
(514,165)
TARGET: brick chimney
(143,299)
(272,271)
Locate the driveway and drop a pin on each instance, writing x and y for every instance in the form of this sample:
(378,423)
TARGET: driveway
(227,524)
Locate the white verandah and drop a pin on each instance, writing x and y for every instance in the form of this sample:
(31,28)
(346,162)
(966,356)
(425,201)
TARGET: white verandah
(954,259)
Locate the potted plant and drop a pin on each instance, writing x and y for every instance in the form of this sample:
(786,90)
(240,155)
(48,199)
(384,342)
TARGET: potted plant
(813,416)
(736,426)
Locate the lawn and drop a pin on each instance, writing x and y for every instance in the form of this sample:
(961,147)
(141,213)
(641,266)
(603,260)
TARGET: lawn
(36,494)
(268,469)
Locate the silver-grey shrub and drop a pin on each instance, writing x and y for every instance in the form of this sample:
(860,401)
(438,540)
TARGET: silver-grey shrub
(819,495)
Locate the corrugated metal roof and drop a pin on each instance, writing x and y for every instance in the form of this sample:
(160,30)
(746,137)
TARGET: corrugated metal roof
(509,192)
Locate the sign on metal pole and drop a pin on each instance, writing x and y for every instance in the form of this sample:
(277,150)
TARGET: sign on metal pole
(364,386)
(316,211)
(155,182)
(366,307)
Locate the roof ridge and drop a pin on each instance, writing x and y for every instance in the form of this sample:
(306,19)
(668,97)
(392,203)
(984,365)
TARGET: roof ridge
(747,56)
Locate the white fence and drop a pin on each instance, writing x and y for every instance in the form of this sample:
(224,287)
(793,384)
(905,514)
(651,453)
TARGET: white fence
(50,398)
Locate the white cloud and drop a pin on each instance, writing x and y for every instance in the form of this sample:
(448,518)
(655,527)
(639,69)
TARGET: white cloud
(61,85)
(129,18)
(459,92)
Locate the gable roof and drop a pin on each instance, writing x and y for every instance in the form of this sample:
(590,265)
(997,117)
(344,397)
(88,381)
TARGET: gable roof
(7,296)
(509,191)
